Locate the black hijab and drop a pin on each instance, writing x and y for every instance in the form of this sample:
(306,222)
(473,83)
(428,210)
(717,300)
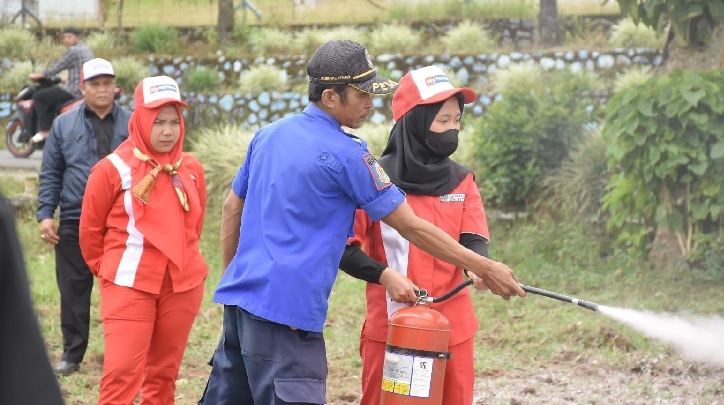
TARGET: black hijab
(411,165)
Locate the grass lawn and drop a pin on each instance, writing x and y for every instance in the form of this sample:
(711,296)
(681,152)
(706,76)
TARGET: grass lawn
(283,12)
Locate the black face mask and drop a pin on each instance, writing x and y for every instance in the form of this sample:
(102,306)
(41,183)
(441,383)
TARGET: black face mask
(442,144)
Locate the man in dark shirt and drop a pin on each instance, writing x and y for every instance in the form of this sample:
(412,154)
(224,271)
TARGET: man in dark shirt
(46,101)
(78,140)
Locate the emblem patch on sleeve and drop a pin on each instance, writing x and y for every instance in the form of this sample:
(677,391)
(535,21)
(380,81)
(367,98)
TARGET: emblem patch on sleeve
(382,180)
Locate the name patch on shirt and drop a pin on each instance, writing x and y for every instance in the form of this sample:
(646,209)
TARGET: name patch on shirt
(380,177)
(452,198)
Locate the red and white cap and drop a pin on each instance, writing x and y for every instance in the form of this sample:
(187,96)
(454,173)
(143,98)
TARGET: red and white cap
(157,91)
(96,67)
(427,85)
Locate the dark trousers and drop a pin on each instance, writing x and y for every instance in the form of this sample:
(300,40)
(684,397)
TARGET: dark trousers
(75,282)
(46,104)
(261,362)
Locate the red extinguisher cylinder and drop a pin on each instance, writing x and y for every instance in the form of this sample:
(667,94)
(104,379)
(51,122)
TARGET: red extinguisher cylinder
(415,357)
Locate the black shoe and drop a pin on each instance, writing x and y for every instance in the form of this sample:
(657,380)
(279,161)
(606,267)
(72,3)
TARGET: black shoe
(66,368)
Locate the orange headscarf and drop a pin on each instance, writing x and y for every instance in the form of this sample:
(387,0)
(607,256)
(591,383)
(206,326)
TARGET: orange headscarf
(161,219)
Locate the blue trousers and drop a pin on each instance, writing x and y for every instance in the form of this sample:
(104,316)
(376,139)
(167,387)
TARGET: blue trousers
(265,363)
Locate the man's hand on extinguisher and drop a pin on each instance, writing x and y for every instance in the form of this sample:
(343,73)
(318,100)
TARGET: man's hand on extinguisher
(398,286)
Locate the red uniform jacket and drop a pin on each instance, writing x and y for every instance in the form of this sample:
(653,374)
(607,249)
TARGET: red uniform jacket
(114,248)
(459,212)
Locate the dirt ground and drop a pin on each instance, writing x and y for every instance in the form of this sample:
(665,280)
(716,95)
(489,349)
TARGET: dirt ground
(643,382)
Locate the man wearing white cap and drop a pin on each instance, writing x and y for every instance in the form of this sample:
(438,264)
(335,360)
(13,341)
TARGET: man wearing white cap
(76,141)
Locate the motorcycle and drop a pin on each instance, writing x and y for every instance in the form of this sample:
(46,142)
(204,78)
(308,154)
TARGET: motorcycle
(18,138)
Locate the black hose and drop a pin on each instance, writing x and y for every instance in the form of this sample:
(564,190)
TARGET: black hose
(452,292)
(533,290)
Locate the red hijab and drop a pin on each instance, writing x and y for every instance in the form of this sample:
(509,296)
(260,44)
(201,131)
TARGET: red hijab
(162,220)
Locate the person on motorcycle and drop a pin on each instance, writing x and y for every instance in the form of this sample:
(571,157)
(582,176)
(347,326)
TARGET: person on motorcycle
(46,101)
(78,139)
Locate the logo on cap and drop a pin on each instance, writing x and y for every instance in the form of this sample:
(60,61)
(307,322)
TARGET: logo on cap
(162,87)
(155,91)
(369,59)
(433,80)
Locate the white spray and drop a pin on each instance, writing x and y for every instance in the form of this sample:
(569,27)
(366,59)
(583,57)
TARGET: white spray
(697,338)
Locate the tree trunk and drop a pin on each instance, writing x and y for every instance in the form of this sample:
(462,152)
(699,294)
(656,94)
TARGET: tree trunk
(693,58)
(226,19)
(119,17)
(548,27)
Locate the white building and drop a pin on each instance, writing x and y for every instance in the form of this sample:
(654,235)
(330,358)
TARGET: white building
(76,11)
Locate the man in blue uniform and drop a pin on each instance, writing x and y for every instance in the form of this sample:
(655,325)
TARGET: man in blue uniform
(299,186)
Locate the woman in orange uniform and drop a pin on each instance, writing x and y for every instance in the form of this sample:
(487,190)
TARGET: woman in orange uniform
(142,216)
(427,110)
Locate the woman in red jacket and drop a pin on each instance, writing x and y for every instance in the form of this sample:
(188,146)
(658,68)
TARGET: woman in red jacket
(140,225)
(427,110)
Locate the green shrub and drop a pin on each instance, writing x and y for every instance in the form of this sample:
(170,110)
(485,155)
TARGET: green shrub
(694,21)
(211,36)
(242,32)
(578,186)
(263,78)
(129,72)
(627,34)
(585,33)
(270,41)
(13,79)
(46,51)
(467,37)
(157,39)
(375,135)
(307,41)
(528,133)
(518,78)
(100,42)
(221,150)
(631,78)
(394,39)
(346,32)
(16,43)
(666,140)
(201,78)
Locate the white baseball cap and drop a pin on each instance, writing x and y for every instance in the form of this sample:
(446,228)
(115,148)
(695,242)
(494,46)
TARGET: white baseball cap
(96,67)
(156,91)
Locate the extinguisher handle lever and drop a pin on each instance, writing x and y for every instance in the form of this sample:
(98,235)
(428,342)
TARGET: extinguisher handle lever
(423,297)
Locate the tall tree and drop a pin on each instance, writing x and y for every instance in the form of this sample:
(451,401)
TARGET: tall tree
(226,19)
(549,30)
(696,34)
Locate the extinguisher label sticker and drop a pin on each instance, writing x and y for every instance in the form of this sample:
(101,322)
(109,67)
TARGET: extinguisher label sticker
(407,375)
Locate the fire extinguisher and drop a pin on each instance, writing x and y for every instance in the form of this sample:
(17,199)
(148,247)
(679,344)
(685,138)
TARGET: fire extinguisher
(417,343)
(416,354)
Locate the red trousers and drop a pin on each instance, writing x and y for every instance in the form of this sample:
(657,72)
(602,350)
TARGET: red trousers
(145,338)
(459,372)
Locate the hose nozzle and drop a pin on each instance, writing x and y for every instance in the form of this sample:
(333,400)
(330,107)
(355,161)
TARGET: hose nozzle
(585,304)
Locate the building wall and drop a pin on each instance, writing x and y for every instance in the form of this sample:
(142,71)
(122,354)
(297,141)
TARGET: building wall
(51,10)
